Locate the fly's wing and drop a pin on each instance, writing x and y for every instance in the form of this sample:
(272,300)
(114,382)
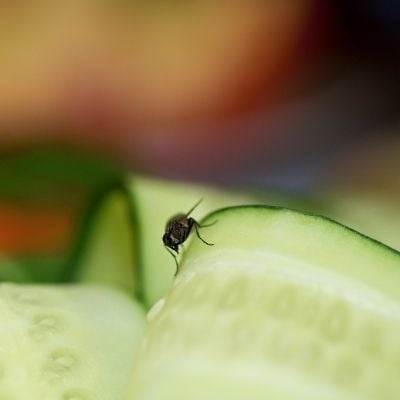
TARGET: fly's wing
(181,218)
(175,218)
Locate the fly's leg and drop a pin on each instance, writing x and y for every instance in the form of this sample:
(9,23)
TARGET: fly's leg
(175,259)
(207,225)
(196,227)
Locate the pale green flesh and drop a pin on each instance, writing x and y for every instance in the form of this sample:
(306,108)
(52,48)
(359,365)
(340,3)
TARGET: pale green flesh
(66,342)
(283,306)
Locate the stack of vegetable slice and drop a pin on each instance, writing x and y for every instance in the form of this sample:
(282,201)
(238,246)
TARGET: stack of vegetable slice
(285,305)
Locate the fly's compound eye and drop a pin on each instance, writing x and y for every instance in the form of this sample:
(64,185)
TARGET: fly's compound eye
(165,239)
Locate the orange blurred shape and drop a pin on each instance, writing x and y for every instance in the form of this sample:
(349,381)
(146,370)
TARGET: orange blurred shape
(151,62)
(29,230)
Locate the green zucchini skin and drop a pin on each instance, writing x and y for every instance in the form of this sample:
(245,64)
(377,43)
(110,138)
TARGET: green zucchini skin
(284,306)
(375,214)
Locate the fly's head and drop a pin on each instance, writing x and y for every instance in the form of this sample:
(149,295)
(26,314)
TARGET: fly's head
(170,241)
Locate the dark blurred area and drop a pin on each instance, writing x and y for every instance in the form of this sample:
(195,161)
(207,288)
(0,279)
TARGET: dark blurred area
(248,92)
(297,96)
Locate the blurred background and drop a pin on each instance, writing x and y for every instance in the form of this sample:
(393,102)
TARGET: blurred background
(296,97)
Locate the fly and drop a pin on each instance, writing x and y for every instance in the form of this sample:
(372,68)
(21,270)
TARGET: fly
(178,229)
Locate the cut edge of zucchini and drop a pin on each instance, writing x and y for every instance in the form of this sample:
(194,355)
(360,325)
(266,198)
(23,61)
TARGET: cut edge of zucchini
(87,232)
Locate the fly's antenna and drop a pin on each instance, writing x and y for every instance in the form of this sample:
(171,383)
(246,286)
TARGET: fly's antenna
(192,209)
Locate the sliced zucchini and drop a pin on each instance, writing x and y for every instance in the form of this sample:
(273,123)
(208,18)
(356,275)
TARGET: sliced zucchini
(66,342)
(283,306)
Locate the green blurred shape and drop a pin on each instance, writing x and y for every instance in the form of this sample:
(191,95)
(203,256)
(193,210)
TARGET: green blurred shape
(55,178)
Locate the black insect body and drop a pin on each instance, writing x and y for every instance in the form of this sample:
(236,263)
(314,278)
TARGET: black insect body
(178,229)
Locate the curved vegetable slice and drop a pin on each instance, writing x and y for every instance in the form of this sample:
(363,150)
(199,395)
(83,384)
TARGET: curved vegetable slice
(66,342)
(107,247)
(283,306)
